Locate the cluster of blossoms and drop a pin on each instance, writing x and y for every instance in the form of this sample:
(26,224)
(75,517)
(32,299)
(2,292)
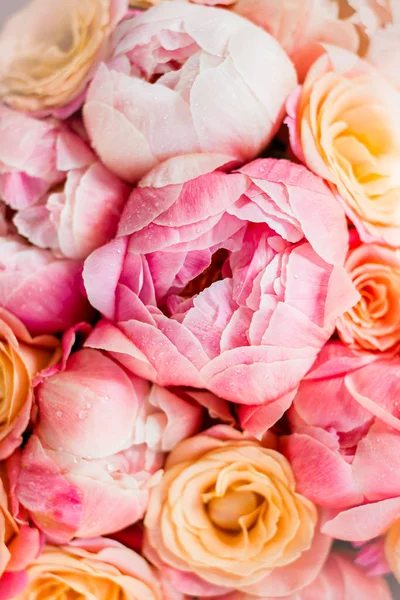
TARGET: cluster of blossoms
(199,347)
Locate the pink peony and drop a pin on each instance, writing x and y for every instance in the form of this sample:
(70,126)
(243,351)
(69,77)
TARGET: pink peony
(346,440)
(46,293)
(78,217)
(99,439)
(212,78)
(33,155)
(229,281)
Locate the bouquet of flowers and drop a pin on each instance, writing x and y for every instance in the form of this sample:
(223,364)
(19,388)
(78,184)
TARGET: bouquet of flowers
(200,300)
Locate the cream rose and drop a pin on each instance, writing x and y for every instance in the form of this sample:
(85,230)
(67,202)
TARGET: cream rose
(345,126)
(98,568)
(226,516)
(374,322)
(21,358)
(47,65)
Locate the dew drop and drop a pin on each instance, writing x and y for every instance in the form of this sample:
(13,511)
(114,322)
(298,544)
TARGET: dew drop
(89,405)
(59,414)
(82,415)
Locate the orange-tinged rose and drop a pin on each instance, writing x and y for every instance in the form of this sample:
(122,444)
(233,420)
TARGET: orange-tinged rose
(98,568)
(21,358)
(48,51)
(345,126)
(227,516)
(392,548)
(374,322)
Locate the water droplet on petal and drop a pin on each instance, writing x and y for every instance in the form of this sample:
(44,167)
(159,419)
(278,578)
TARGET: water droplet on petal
(59,414)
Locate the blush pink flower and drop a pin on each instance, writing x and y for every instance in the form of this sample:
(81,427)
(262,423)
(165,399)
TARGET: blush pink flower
(345,126)
(99,439)
(345,440)
(34,154)
(214,79)
(229,281)
(374,322)
(46,293)
(79,216)
(47,65)
(227,516)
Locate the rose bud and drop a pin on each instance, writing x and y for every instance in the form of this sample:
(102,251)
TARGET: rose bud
(173,70)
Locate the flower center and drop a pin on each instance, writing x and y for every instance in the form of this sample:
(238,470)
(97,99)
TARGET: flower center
(207,277)
(227,511)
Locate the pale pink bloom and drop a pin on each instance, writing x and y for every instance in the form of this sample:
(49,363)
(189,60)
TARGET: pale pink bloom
(78,217)
(49,52)
(229,281)
(69,496)
(33,155)
(212,78)
(99,439)
(374,322)
(346,440)
(45,292)
(345,126)
(302,27)
(93,408)
(339,578)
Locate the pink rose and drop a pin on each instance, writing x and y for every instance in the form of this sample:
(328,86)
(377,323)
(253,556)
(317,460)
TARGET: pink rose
(214,79)
(354,144)
(202,287)
(302,27)
(33,155)
(227,516)
(46,293)
(78,217)
(49,52)
(345,440)
(96,568)
(99,439)
(374,322)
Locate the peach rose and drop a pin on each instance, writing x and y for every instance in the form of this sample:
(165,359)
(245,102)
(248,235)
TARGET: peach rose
(47,65)
(226,516)
(19,543)
(345,125)
(374,322)
(21,357)
(98,568)
(392,548)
